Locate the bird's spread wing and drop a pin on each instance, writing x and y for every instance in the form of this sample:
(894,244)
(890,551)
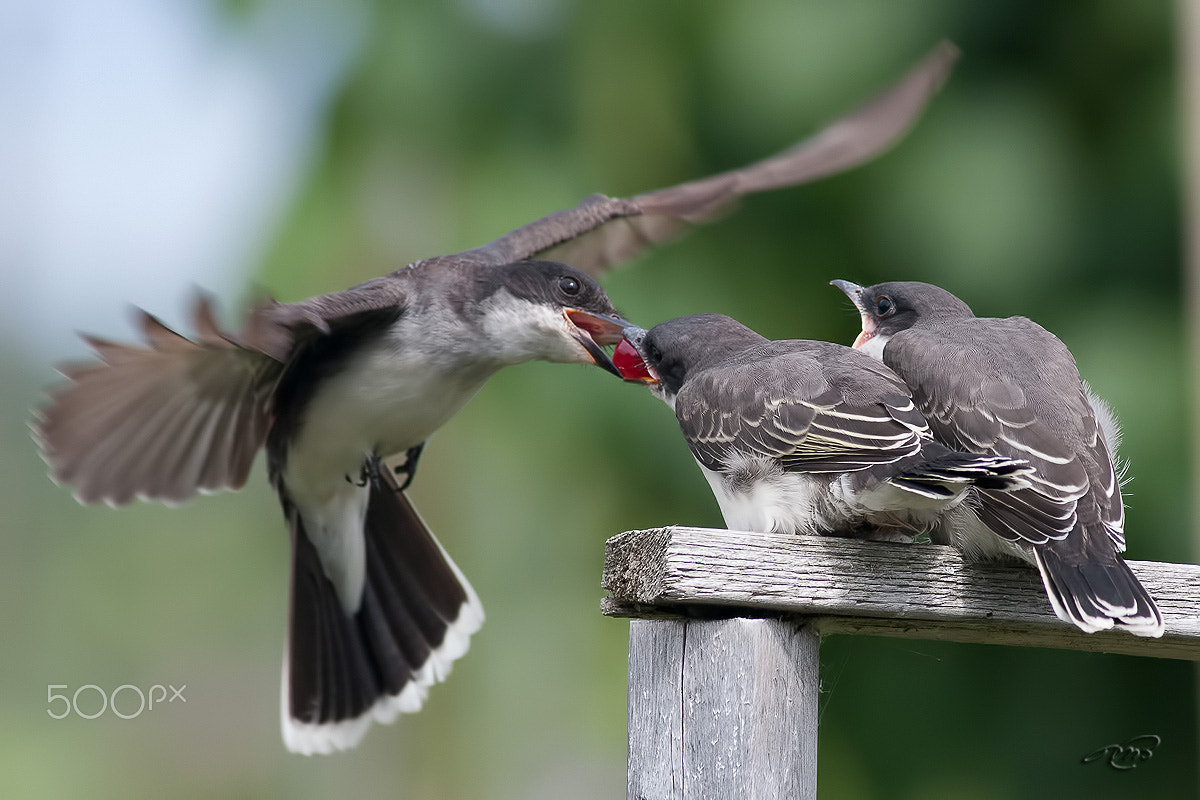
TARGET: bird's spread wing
(602,232)
(160,421)
(177,417)
(788,407)
(278,330)
(173,417)
(1046,420)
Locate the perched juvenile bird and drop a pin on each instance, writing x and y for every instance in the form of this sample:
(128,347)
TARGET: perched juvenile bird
(1009,387)
(801,436)
(336,385)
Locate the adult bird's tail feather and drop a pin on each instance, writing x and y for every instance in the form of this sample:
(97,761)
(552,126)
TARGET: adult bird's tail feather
(1096,596)
(415,619)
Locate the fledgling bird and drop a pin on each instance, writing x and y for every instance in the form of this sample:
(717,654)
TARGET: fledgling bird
(344,389)
(1009,387)
(802,436)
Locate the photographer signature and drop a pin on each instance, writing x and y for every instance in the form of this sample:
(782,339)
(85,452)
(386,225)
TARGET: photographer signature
(1128,754)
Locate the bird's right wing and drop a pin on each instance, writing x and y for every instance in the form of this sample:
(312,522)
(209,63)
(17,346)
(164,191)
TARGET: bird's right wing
(788,407)
(176,416)
(161,421)
(602,232)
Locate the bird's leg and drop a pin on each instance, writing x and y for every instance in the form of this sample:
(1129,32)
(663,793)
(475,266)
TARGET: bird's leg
(368,473)
(409,468)
(879,532)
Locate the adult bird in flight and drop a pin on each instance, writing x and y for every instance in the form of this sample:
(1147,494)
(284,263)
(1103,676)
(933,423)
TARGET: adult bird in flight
(343,390)
(800,436)
(1009,387)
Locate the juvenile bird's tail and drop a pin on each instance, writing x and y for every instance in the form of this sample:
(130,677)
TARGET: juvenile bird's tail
(1094,594)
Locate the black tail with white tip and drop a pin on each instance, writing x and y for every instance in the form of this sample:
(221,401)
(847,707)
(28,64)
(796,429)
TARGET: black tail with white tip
(1094,594)
(415,618)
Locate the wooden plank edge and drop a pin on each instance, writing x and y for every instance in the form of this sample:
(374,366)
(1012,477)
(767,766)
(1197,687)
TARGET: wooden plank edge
(672,572)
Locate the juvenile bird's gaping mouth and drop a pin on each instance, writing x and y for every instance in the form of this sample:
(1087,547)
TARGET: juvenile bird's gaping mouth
(855,293)
(867,333)
(594,332)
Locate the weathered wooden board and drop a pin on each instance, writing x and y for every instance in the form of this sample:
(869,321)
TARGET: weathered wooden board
(848,586)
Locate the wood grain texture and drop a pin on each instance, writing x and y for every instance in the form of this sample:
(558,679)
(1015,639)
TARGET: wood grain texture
(656,709)
(722,708)
(849,586)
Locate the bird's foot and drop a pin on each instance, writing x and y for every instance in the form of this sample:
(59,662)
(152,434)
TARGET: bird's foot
(409,468)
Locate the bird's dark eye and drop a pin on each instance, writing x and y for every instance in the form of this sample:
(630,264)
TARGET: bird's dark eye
(568,285)
(884,306)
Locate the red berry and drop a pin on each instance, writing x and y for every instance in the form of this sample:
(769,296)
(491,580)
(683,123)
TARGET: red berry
(629,363)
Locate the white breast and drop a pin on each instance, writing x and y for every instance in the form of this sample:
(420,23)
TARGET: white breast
(386,400)
(763,498)
(389,398)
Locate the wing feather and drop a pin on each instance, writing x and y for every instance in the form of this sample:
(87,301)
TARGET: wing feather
(602,232)
(802,404)
(160,421)
(176,416)
(1047,420)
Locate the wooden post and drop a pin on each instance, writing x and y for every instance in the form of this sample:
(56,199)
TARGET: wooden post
(722,708)
(728,707)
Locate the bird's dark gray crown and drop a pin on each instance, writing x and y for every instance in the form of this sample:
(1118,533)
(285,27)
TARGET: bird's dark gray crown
(898,305)
(546,282)
(678,346)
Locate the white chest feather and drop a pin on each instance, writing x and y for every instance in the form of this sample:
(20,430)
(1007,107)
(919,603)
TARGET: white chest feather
(388,399)
(773,501)
(755,495)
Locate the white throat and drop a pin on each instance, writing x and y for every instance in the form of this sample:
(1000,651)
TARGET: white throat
(874,346)
(517,331)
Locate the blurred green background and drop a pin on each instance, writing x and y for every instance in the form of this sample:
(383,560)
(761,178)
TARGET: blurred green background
(1045,181)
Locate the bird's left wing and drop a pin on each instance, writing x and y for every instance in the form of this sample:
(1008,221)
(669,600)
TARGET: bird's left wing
(1046,421)
(602,232)
(797,407)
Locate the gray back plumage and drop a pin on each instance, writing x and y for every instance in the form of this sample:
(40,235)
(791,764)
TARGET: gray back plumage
(815,406)
(973,401)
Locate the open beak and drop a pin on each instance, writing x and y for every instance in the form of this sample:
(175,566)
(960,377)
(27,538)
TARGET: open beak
(627,358)
(594,332)
(855,293)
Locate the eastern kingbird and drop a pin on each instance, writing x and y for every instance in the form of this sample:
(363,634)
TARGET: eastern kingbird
(343,390)
(332,386)
(801,436)
(1009,387)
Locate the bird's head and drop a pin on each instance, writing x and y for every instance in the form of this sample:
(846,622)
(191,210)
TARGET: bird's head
(888,308)
(544,310)
(664,356)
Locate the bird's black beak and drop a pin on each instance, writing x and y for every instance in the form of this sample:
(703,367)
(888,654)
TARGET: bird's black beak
(855,293)
(628,359)
(593,332)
